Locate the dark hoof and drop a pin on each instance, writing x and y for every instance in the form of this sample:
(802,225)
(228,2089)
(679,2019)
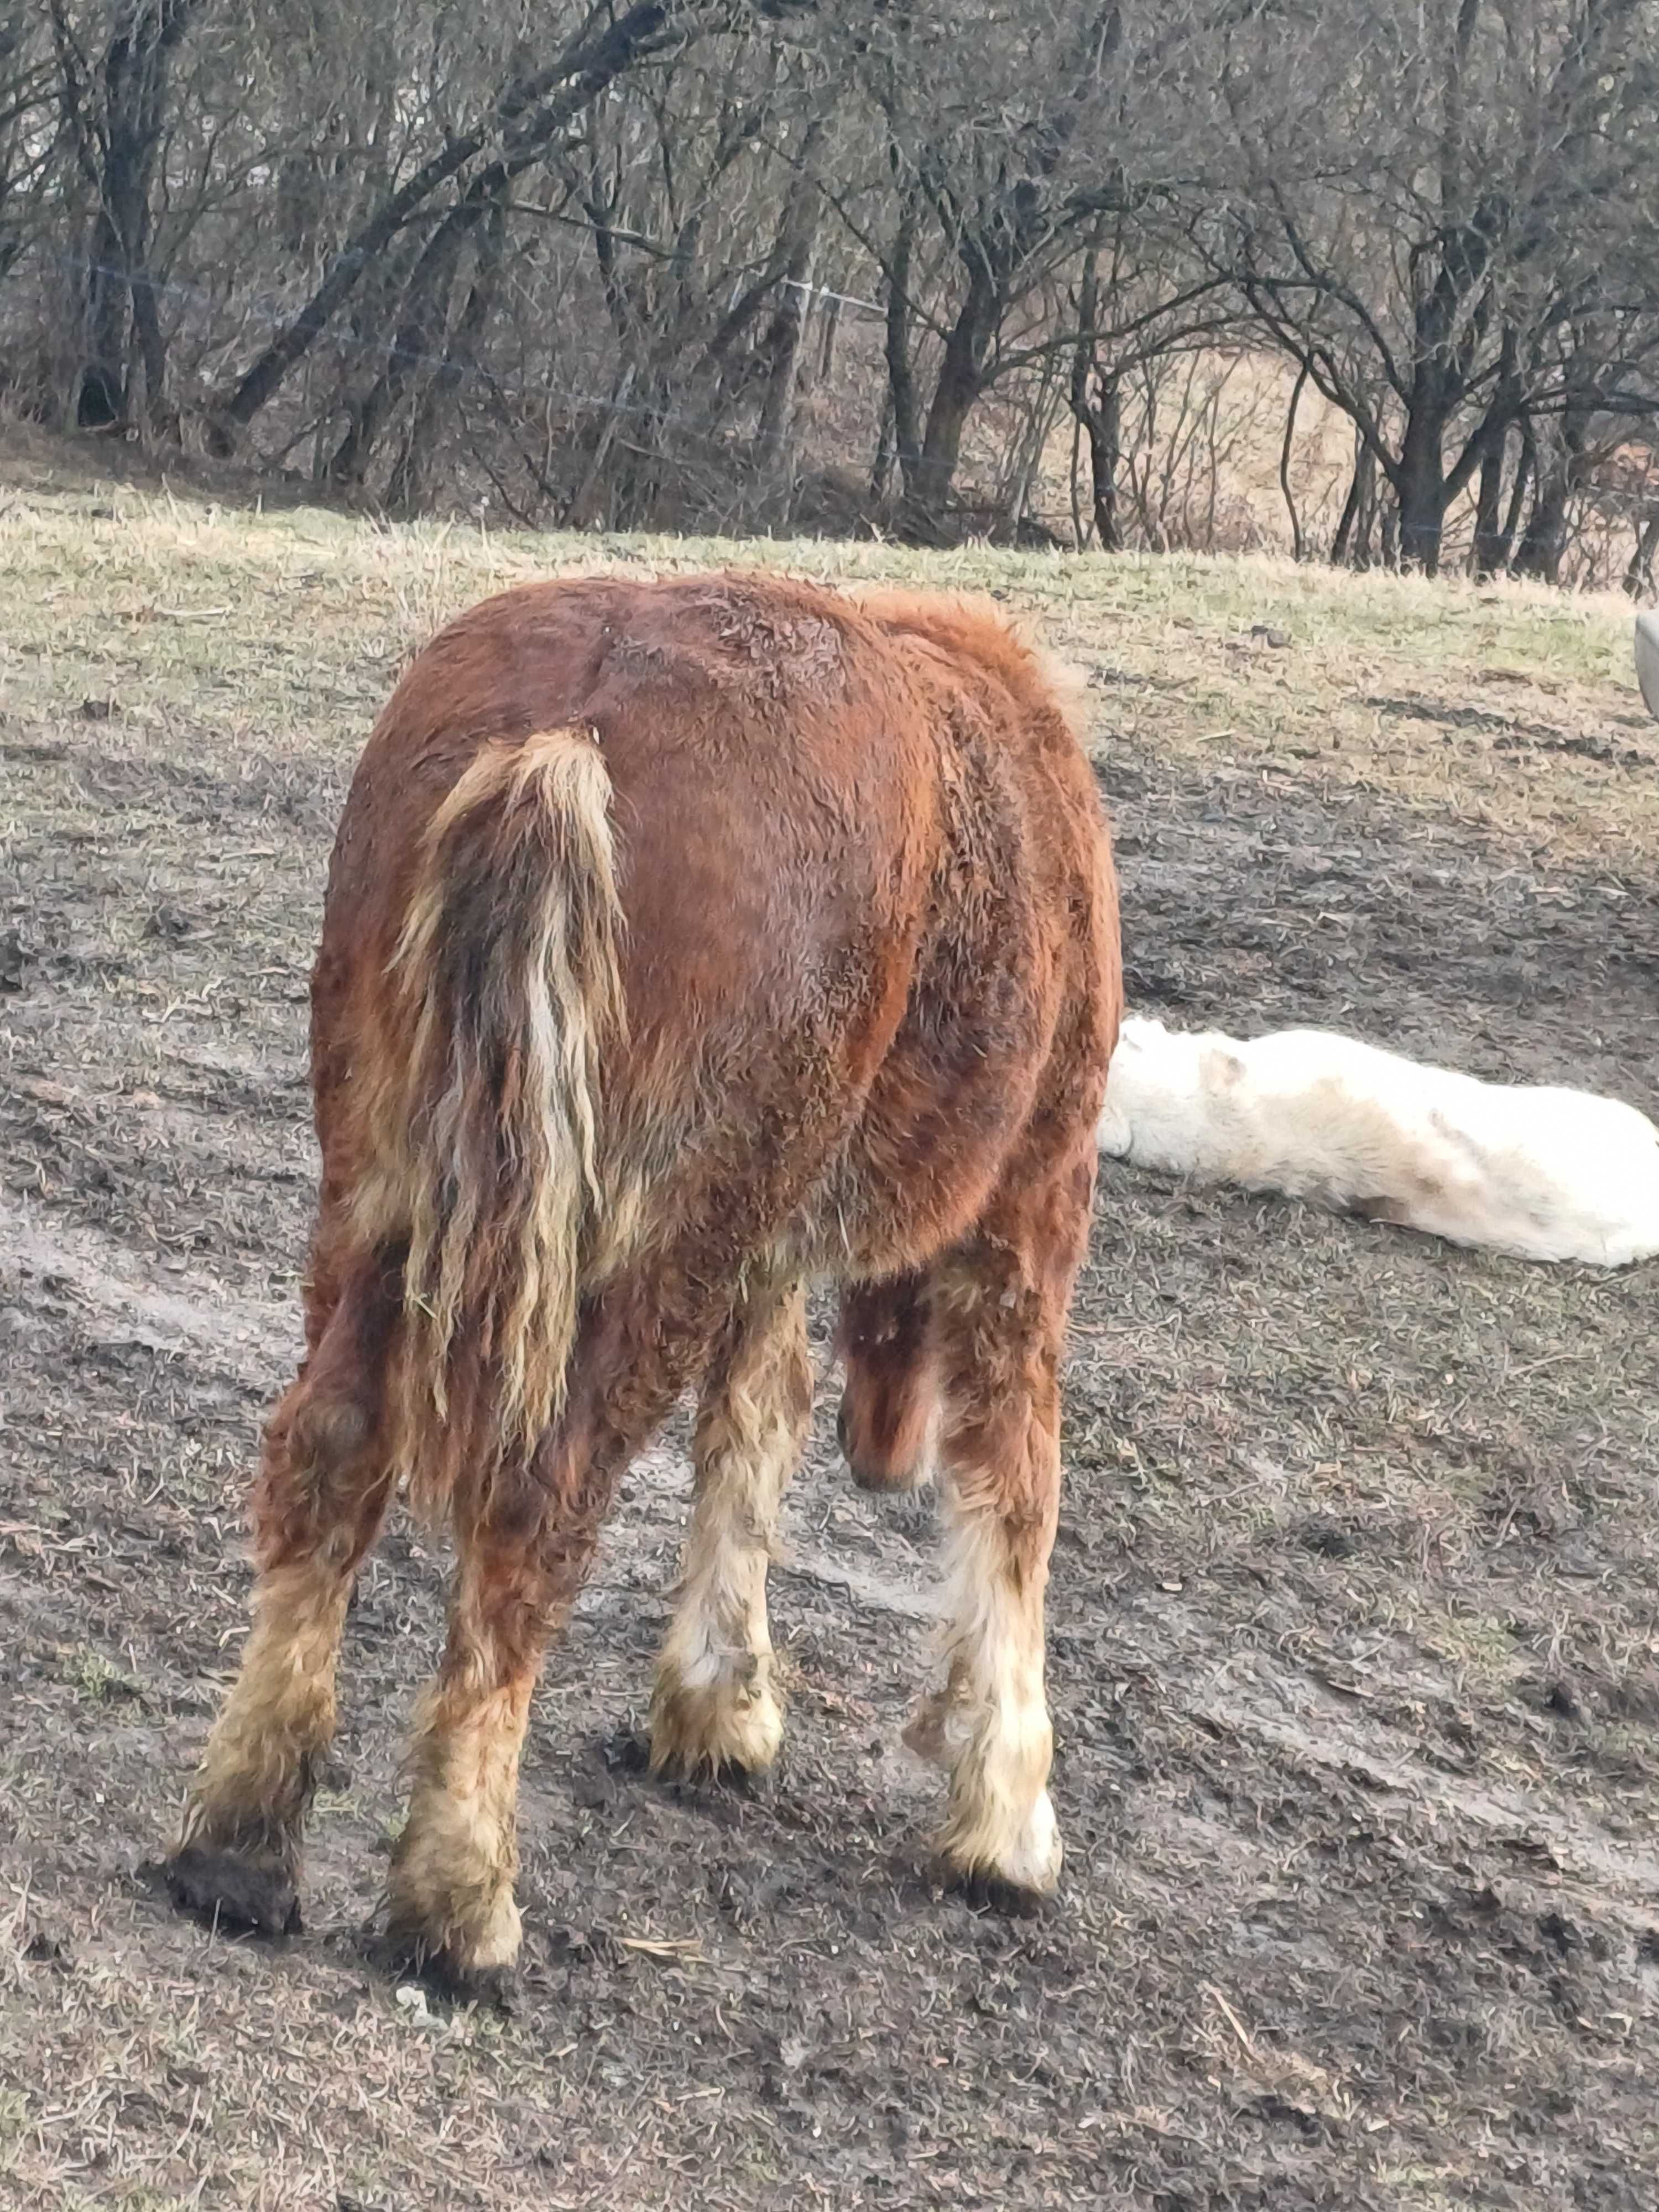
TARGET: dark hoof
(710,1782)
(992,1893)
(403,1957)
(495,1988)
(626,1750)
(228,1890)
(728,1778)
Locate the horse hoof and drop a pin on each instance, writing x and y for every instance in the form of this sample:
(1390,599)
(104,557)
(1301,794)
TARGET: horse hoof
(228,1889)
(402,1958)
(410,1961)
(994,1893)
(1012,1871)
(722,1732)
(495,1988)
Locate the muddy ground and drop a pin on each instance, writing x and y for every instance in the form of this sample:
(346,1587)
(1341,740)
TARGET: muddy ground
(1355,1630)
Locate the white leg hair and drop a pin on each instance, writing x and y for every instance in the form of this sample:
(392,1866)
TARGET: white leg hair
(988,1728)
(451,1888)
(715,1703)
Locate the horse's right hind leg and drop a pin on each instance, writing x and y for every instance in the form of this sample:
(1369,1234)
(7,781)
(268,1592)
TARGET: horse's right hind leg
(450,1906)
(1001,1300)
(322,1492)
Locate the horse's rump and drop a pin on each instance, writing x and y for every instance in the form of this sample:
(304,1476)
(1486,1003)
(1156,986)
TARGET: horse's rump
(855,890)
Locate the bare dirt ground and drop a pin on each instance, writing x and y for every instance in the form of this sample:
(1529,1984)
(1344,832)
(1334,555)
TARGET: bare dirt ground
(1355,1630)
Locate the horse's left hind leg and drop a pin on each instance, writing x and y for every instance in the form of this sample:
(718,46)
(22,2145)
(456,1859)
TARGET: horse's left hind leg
(715,1705)
(451,1902)
(526,1544)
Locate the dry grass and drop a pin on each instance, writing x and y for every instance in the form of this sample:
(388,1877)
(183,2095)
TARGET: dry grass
(1356,1658)
(1505,705)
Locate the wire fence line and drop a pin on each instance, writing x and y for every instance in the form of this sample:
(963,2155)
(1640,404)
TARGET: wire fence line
(275,314)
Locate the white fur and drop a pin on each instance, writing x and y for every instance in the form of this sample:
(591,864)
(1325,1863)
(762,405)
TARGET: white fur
(989,1728)
(1541,1173)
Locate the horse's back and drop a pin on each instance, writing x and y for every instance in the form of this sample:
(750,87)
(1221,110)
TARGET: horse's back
(862,869)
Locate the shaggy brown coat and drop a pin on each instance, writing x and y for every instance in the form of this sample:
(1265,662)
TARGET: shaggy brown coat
(682,940)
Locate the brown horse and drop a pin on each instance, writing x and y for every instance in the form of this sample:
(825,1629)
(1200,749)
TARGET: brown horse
(682,940)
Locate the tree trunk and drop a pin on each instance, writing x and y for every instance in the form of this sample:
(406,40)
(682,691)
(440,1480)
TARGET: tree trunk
(1297,548)
(902,400)
(931,478)
(1491,551)
(407,490)
(783,343)
(1103,425)
(1525,463)
(121,306)
(1638,576)
(881,466)
(582,508)
(100,397)
(1099,413)
(927,492)
(1352,545)
(525,118)
(827,340)
(1546,538)
(1558,479)
(784,339)
(1420,484)
(1490,547)
(425,317)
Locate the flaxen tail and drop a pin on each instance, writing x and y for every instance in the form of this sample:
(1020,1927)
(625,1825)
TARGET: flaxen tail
(509,995)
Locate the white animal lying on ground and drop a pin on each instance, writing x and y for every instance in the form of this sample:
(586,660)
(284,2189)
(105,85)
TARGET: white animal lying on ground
(1544,1173)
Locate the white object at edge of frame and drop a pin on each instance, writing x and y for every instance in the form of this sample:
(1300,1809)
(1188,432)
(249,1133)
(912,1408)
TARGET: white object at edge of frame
(1647,660)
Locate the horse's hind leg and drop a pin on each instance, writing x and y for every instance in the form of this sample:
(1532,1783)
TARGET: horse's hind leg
(526,1539)
(451,1904)
(322,1491)
(1001,1302)
(715,1705)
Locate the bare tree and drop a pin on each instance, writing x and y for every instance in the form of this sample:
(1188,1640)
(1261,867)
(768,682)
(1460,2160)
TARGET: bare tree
(114,94)
(1420,196)
(667,262)
(524,117)
(995,144)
